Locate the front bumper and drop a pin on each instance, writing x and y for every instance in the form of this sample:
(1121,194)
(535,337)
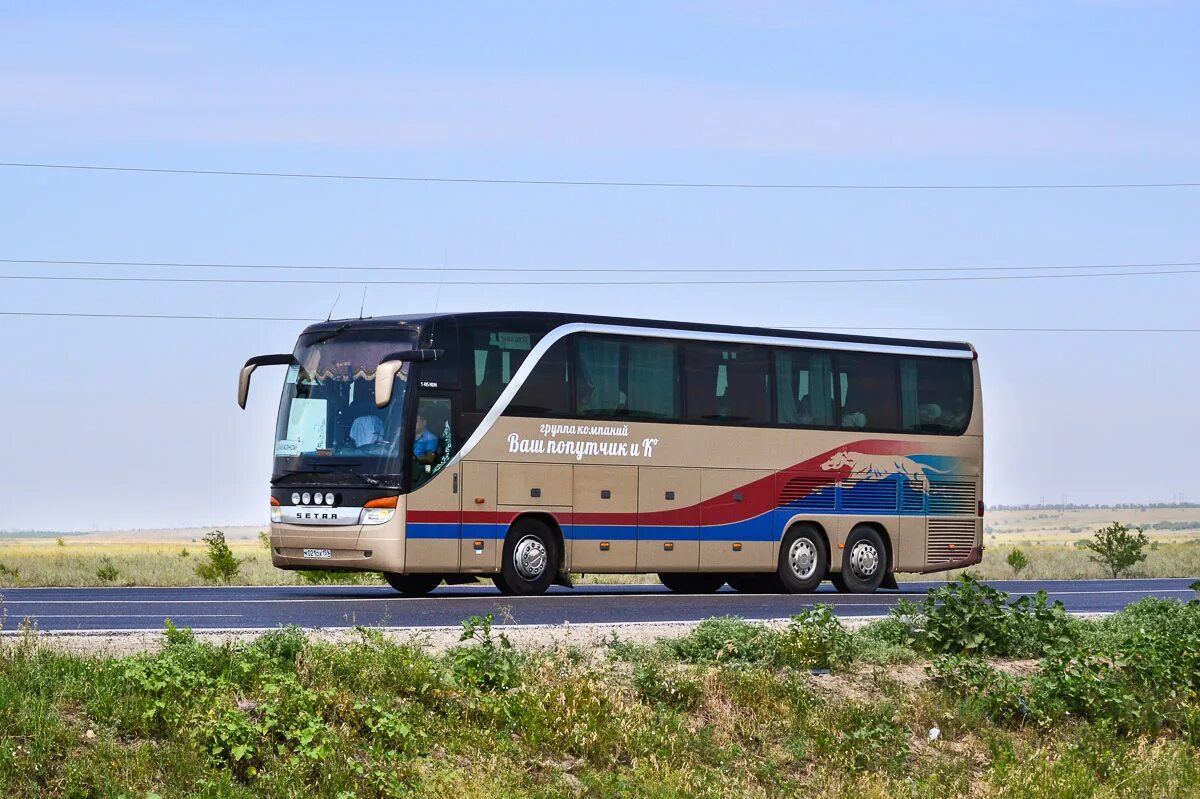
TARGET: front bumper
(353,547)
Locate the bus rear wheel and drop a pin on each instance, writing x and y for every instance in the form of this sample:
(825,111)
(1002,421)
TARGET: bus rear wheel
(413,584)
(530,560)
(803,559)
(864,560)
(692,582)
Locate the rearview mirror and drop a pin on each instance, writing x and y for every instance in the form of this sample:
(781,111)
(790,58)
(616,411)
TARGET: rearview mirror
(285,359)
(390,366)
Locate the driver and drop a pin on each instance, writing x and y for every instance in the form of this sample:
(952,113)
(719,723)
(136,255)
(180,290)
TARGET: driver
(425,443)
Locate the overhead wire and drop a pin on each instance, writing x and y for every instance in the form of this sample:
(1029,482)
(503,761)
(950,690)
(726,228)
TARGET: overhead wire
(225,318)
(591,270)
(658,184)
(543,283)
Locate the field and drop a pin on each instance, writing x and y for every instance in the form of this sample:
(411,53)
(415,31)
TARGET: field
(965,695)
(1050,538)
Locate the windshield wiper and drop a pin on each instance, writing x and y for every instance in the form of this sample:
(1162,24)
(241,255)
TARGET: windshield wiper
(306,475)
(337,331)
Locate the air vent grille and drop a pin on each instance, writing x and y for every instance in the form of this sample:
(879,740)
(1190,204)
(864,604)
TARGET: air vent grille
(870,496)
(951,498)
(949,540)
(809,493)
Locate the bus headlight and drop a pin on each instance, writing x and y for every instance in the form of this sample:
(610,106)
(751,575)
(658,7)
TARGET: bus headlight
(379,511)
(276,515)
(377,515)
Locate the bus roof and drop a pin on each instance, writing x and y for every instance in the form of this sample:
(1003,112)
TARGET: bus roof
(556,319)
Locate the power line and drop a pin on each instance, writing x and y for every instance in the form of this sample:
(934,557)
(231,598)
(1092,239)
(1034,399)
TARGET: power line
(543,283)
(599,270)
(188,317)
(607,183)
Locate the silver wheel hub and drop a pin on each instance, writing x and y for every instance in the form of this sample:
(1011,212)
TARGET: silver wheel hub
(864,559)
(802,557)
(529,557)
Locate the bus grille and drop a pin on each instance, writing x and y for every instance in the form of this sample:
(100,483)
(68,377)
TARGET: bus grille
(951,498)
(949,540)
(869,496)
(809,493)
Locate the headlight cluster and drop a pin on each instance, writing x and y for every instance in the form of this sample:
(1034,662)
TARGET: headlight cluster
(318,498)
(377,515)
(276,514)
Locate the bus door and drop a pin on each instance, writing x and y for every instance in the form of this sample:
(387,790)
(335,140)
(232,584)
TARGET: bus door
(434,507)
(482,534)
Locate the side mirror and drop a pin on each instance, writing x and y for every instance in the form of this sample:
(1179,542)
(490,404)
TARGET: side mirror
(390,366)
(259,360)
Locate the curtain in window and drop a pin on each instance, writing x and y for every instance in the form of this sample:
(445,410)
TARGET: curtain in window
(599,378)
(652,383)
(909,402)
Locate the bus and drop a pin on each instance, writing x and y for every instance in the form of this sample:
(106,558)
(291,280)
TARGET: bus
(525,447)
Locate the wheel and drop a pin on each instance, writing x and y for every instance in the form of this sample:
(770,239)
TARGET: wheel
(767,583)
(803,560)
(838,583)
(530,561)
(692,582)
(864,561)
(413,584)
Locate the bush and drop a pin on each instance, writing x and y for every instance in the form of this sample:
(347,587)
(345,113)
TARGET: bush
(814,638)
(1117,548)
(1017,560)
(968,617)
(107,572)
(220,564)
(491,664)
(658,683)
(727,639)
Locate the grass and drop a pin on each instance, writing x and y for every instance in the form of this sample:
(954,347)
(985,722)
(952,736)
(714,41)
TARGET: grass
(75,563)
(733,710)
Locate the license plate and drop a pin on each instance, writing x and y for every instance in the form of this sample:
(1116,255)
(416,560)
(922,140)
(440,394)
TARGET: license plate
(318,553)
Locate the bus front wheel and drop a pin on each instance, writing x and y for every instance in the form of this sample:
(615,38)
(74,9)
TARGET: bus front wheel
(692,582)
(413,584)
(802,559)
(530,561)
(864,560)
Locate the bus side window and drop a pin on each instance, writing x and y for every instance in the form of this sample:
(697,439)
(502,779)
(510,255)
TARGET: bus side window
(870,396)
(547,391)
(804,387)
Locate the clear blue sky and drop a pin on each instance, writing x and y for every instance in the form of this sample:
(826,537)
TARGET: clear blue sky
(116,423)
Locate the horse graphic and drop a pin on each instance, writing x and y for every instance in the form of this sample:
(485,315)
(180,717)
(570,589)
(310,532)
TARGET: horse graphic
(878,467)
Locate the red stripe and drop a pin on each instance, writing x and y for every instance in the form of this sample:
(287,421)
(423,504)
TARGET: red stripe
(758,496)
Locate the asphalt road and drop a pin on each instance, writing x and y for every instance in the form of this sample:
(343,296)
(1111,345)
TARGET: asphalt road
(129,609)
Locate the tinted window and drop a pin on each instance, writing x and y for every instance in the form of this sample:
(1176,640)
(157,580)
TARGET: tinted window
(804,387)
(935,394)
(727,383)
(626,377)
(496,352)
(547,391)
(869,395)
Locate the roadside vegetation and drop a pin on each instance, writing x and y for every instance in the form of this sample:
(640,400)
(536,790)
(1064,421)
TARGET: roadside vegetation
(1116,549)
(968,693)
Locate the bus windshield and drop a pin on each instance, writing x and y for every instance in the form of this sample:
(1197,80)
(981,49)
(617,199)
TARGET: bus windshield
(328,421)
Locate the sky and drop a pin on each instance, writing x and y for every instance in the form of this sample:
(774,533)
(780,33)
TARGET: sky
(120,423)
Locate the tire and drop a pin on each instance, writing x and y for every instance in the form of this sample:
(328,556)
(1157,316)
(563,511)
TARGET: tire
(838,583)
(413,584)
(692,582)
(803,559)
(530,561)
(767,583)
(864,560)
